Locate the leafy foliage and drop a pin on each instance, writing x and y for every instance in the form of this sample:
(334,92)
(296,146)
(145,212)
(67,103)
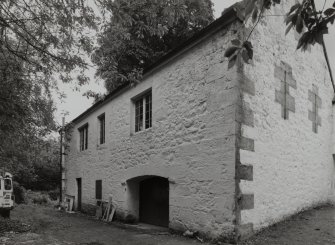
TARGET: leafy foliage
(26,111)
(47,35)
(140,32)
(244,50)
(38,39)
(254,8)
(303,17)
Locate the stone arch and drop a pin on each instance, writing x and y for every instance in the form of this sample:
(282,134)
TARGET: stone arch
(139,200)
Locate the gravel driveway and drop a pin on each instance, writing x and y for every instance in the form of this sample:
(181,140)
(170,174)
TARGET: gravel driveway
(49,226)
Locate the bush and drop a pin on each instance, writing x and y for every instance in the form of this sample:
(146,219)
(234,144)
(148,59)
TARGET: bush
(54,195)
(40,199)
(19,193)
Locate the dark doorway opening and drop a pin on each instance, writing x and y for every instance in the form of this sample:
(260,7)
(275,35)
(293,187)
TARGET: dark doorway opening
(79,194)
(154,201)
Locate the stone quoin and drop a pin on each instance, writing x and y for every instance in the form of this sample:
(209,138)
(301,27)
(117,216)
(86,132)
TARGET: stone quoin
(197,146)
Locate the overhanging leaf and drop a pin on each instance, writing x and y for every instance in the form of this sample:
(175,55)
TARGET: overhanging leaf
(230,51)
(254,15)
(236,42)
(293,8)
(288,28)
(248,47)
(232,61)
(245,56)
(329,11)
(299,24)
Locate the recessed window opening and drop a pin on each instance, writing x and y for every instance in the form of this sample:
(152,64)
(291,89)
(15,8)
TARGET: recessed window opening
(102,124)
(143,112)
(83,137)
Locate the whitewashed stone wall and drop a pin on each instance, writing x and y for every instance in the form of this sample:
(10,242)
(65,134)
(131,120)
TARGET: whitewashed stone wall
(293,167)
(192,141)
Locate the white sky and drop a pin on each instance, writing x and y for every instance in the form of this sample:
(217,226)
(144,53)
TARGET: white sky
(75,103)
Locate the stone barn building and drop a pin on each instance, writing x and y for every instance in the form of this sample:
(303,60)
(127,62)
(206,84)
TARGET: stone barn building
(197,146)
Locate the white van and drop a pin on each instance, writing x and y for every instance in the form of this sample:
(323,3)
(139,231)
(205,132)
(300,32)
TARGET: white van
(6,194)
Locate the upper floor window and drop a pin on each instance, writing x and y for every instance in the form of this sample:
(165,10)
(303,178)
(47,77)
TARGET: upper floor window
(143,112)
(83,137)
(102,123)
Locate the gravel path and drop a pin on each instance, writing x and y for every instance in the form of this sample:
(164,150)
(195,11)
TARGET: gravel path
(49,226)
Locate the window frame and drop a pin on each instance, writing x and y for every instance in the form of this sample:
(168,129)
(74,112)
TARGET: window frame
(142,104)
(83,137)
(8,183)
(102,129)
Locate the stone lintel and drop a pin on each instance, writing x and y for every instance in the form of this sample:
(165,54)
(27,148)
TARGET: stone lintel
(247,144)
(245,115)
(246,201)
(245,172)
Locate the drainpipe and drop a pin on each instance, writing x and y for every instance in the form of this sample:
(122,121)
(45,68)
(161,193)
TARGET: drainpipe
(61,155)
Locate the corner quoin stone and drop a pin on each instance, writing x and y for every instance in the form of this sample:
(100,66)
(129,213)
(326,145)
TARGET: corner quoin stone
(244,231)
(245,172)
(246,201)
(247,144)
(246,84)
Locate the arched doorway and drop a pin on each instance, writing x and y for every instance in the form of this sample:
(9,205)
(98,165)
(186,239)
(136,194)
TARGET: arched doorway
(154,201)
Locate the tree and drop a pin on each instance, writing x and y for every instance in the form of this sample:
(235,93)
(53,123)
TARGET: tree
(38,41)
(302,17)
(26,118)
(48,36)
(140,32)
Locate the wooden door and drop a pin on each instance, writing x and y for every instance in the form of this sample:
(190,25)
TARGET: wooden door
(79,194)
(154,201)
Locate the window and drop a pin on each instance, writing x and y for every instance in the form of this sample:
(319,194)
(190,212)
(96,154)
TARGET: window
(8,184)
(143,112)
(98,189)
(101,119)
(83,135)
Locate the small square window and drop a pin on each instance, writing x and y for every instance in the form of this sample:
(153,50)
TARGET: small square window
(102,124)
(83,137)
(143,112)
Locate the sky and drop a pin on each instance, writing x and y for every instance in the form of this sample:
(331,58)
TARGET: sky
(74,104)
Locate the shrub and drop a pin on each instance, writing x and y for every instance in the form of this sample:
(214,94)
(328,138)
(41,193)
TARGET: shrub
(19,193)
(40,199)
(54,195)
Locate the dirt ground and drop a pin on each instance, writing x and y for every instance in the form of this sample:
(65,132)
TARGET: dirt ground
(49,226)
